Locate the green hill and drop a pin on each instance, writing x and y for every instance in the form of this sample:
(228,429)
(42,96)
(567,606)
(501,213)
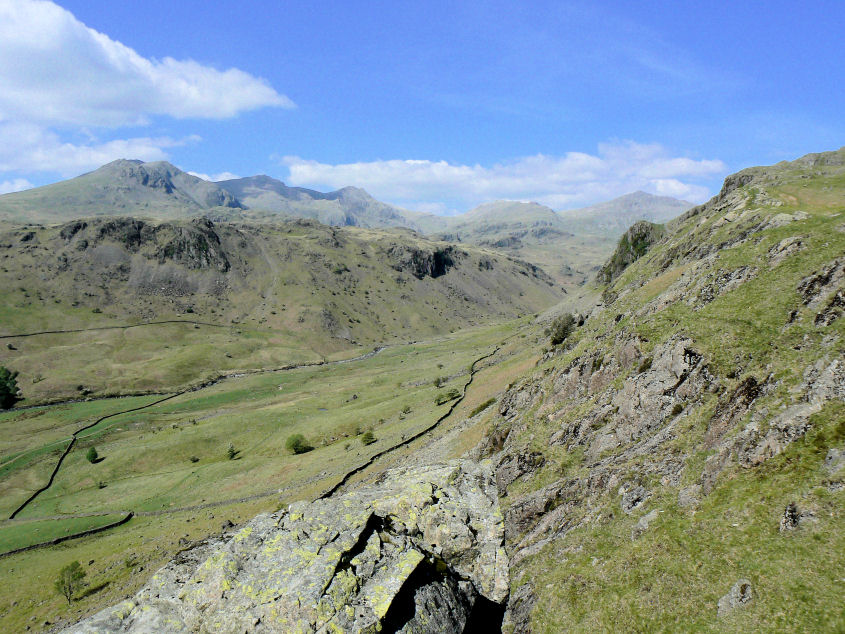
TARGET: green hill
(311,289)
(677,462)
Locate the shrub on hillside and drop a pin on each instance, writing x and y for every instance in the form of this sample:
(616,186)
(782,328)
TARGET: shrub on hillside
(368,438)
(482,407)
(296,444)
(69,580)
(445,397)
(92,455)
(8,387)
(560,328)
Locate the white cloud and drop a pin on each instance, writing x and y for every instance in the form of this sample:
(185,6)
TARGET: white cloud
(14,185)
(59,79)
(575,178)
(222,176)
(54,70)
(28,147)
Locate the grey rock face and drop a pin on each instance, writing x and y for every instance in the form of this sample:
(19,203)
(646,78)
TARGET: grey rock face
(689,496)
(834,460)
(739,595)
(633,498)
(642,525)
(419,551)
(421,263)
(518,616)
(514,467)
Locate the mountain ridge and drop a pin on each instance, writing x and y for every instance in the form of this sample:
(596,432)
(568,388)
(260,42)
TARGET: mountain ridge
(569,247)
(134,187)
(347,206)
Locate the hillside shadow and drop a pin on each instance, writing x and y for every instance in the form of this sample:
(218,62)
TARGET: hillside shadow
(93,589)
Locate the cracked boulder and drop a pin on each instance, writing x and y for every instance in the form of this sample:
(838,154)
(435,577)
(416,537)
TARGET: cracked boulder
(422,550)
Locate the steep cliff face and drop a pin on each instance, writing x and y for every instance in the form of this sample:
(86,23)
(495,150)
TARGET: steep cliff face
(420,550)
(685,443)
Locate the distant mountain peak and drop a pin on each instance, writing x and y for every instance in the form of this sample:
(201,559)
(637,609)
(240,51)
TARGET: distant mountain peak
(616,215)
(345,206)
(156,189)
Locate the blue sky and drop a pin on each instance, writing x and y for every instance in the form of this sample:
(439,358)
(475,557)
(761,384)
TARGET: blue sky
(428,105)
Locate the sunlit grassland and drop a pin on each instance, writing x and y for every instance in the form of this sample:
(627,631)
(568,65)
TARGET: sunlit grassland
(174,454)
(153,358)
(16,534)
(147,455)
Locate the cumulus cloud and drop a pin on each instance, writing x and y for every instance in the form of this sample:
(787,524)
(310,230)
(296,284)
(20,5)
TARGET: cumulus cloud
(27,147)
(54,70)
(14,185)
(573,179)
(222,176)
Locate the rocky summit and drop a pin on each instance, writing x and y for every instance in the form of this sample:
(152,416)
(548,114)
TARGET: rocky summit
(419,550)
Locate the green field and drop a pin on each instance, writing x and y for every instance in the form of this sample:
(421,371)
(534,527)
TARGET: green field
(20,534)
(153,358)
(174,455)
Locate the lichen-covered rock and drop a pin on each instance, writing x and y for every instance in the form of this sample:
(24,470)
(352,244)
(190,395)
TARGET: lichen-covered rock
(418,551)
(739,595)
(633,498)
(642,526)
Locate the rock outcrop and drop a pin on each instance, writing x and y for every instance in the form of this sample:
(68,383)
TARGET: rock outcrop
(632,245)
(423,263)
(421,549)
(700,406)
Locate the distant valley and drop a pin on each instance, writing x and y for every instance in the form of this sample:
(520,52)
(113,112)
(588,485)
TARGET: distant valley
(320,289)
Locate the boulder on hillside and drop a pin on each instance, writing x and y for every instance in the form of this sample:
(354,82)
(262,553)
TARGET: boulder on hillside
(421,550)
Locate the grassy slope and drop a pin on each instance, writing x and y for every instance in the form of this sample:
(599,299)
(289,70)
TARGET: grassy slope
(596,577)
(14,535)
(147,454)
(294,292)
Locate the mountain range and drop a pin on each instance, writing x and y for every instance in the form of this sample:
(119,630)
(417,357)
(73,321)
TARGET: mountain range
(161,191)
(570,245)
(672,458)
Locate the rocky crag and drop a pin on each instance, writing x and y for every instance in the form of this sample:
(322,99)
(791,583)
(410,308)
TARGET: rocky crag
(419,550)
(677,463)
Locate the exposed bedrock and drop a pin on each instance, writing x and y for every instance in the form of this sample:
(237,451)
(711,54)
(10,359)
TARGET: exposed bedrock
(420,550)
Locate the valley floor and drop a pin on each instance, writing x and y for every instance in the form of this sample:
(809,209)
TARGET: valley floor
(168,461)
